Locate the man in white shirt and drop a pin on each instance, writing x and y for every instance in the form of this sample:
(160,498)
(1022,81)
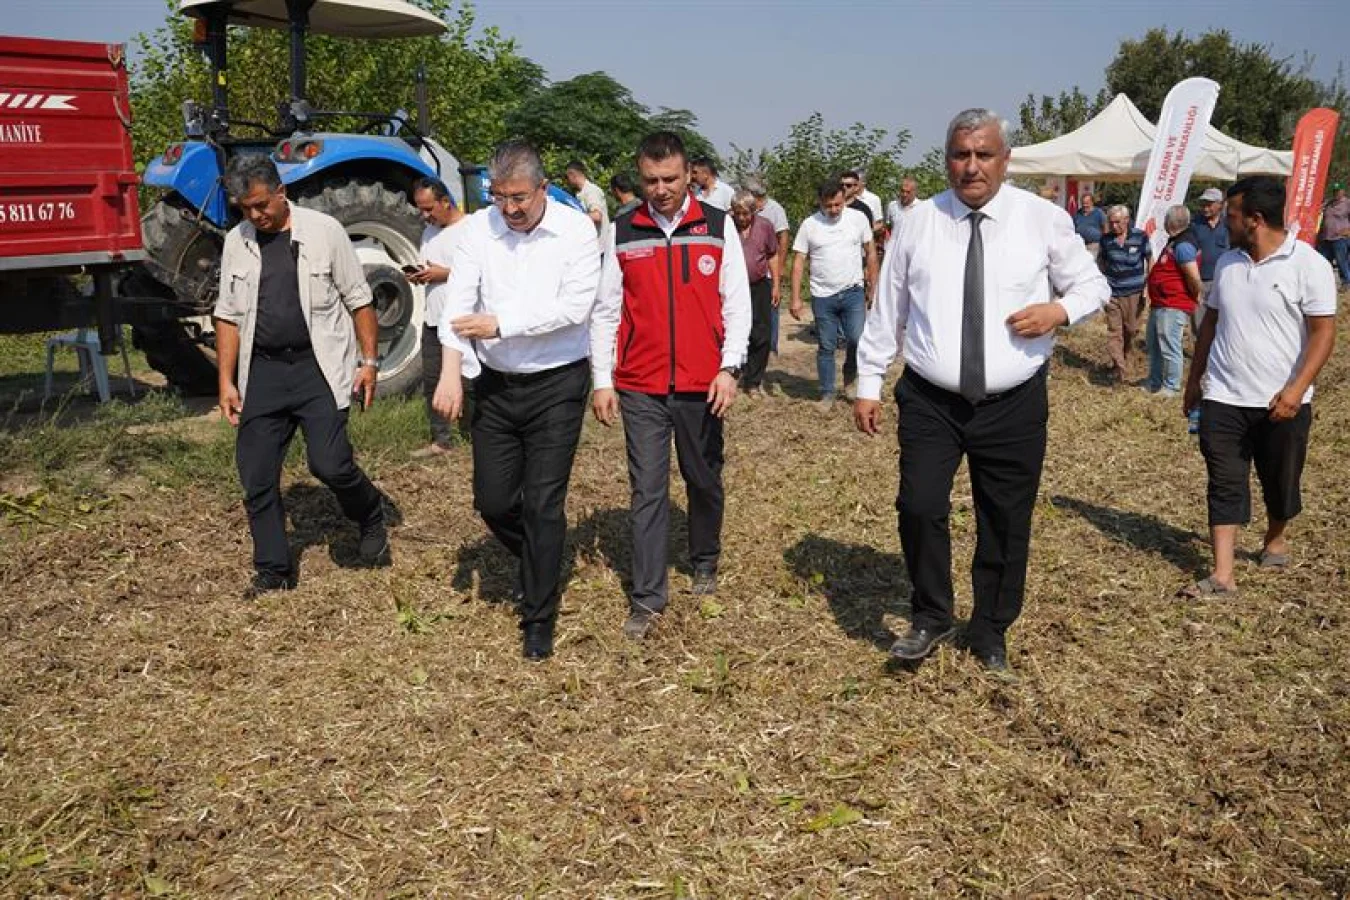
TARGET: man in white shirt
(870,200)
(1269,327)
(668,339)
(772,210)
(906,199)
(968,289)
(709,188)
(444,221)
(517,307)
(591,196)
(835,240)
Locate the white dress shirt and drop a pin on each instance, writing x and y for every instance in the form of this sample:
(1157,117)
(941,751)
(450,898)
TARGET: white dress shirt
(896,213)
(539,284)
(438,248)
(733,282)
(1261,334)
(1030,250)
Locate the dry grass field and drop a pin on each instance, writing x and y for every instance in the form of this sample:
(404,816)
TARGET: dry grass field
(377,734)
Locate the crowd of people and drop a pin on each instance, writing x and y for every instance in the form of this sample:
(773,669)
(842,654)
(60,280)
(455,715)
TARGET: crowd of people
(658,315)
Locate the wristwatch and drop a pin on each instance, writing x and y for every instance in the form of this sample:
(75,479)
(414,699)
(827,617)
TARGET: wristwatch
(369,362)
(733,371)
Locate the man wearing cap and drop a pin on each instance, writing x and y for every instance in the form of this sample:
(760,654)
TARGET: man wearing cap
(1336,231)
(1211,233)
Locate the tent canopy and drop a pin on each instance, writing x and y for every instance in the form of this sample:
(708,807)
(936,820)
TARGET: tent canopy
(1116,143)
(342,18)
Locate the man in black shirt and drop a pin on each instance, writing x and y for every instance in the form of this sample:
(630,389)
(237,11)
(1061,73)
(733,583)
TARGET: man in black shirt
(291,289)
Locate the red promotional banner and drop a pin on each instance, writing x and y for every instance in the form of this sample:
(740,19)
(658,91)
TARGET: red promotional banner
(1308,179)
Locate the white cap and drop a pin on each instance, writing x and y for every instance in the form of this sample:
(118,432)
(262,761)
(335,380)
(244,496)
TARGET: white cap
(1212,195)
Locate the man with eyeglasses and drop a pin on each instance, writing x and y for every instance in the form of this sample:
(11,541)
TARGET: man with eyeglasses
(522,283)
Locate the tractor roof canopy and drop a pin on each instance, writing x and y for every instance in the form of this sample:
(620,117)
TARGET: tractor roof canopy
(343,18)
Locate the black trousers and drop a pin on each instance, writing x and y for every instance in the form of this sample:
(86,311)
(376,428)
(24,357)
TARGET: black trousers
(525,432)
(648,424)
(441,429)
(761,312)
(281,396)
(1232,438)
(1003,439)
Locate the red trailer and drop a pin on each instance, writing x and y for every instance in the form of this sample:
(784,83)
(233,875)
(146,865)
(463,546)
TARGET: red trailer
(67,179)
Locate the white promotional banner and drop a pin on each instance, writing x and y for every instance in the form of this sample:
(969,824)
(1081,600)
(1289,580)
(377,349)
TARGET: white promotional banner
(1176,147)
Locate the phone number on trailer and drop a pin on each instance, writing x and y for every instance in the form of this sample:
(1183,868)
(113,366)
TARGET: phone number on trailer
(27,213)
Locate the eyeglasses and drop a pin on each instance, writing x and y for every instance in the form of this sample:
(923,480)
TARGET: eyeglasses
(513,199)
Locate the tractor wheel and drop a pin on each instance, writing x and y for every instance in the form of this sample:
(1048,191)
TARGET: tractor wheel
(386,231)
(180,246)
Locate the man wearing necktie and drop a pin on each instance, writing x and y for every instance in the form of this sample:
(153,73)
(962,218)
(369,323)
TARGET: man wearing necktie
(972,292)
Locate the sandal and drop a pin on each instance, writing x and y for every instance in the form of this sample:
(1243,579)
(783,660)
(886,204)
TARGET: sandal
(1207,587)
(1269,560)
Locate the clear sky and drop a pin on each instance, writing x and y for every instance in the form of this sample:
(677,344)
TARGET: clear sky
(751,68)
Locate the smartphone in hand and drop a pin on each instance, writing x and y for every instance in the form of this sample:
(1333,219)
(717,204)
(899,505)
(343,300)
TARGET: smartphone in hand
(411,269)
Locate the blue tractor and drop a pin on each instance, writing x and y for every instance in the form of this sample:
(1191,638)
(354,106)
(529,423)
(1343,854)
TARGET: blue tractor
(364,180)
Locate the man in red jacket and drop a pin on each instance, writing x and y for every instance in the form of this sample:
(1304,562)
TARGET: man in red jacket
(668,337)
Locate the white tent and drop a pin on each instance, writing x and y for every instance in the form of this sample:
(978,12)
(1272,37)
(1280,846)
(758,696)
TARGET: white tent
(1115,145)
(345,18)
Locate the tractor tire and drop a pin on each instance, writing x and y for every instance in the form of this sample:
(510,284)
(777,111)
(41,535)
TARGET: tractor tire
(180,246)
(386,232)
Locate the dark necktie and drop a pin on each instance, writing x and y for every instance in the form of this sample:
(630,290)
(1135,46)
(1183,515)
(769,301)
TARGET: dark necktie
(972,315)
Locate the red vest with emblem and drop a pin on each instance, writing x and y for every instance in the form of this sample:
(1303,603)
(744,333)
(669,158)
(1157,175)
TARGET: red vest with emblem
(670,330)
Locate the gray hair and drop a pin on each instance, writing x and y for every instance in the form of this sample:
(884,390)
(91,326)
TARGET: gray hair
(248,169)
(743,198)
(1118,208)
(516,159)
(1177,220)
(755,185)
(972,119)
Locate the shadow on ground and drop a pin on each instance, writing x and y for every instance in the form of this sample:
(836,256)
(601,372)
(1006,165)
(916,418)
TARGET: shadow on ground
(861,584)
(1186,550)
(317,520)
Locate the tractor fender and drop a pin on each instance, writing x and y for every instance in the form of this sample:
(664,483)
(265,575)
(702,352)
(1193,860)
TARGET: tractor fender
(196,177)
(343,150)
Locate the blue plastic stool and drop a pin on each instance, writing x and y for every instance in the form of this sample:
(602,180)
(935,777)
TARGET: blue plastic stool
(85,343)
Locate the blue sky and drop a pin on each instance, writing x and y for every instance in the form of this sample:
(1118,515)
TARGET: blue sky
(751,68)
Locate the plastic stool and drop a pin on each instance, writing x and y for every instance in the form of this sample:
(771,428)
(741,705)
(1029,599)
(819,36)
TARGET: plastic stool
(85,343)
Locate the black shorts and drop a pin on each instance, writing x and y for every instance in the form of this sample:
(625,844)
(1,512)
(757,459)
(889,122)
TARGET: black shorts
(1234,437)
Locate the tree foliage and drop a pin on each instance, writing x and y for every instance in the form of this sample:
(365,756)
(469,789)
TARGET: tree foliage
(1261,96)
(795,167)
(472,82)
(1049,117)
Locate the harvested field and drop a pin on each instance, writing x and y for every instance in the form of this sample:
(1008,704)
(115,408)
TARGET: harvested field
(376,733)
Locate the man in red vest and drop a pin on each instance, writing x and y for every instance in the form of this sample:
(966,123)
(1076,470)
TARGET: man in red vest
(668,337)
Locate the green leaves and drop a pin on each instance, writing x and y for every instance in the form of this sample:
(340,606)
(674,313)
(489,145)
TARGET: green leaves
(838,817)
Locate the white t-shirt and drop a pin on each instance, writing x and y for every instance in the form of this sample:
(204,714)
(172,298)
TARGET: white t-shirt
(896,213)
(873,203)
(1261,336)
(777,216)
(593,198)
(834,250)
(437,246)
(720,196)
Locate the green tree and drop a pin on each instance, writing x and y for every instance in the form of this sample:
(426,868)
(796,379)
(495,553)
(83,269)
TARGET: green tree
(1049,117)
(811,153)
(472,82)
(590,115)
(1261,96)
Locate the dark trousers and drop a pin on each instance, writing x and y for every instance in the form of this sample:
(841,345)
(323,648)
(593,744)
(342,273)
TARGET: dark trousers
(281,396)
(441,430)
(1232,438)
(1003,439)
(761,311)
(525,432)
(648,424)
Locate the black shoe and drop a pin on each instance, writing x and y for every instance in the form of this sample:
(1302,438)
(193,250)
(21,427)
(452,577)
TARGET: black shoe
(705,581)
(639,624)
(538,640)
(374,547)
(917,643)
(995,662)
(266,583)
